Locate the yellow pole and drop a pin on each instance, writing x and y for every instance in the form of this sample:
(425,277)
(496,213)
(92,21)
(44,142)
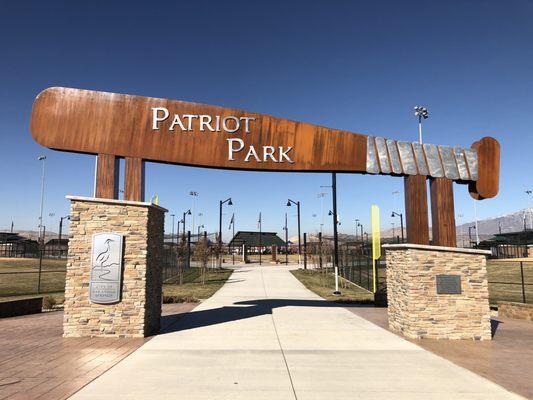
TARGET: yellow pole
(376,243)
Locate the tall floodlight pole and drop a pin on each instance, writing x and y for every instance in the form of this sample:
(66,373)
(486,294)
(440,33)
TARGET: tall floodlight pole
(299,241)
(335,233)
(356,225)
(221,203)
(194,196)
(421,113)
(43,159)
(395,214)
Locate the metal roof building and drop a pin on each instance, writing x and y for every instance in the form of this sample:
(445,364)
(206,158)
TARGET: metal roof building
(251,239)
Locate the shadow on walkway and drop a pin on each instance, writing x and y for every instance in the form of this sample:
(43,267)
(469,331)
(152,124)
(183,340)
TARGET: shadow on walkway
(240,310)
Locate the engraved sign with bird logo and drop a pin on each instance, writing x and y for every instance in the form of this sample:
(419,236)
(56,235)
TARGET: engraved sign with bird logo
(106,268)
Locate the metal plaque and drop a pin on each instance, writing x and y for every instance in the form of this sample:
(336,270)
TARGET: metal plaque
(448,284)
(394,157)
(106,268)
(372,166)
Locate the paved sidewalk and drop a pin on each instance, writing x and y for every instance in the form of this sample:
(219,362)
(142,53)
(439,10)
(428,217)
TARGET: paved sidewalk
(264,336)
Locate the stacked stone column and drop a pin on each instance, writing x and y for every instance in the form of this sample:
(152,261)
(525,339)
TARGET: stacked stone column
(416,310)
(138,312)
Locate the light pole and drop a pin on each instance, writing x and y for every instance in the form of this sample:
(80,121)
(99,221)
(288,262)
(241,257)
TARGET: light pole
(184,221)
(475,216)
(356,225)
(172,235)
(299,241)
(43,159)
(188,212)
(360,225)
(232,225)
(470,233)
(286,229)
(460,217)
(395,214)
(221,203)
(199,226)
(530,192)
(321,196)
(335,233)
(421,113)
(61,231)
(194,196)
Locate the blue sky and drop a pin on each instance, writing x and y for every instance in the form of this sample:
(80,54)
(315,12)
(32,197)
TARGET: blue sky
(358,66)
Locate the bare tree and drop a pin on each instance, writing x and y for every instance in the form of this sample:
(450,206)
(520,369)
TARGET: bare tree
(202,252)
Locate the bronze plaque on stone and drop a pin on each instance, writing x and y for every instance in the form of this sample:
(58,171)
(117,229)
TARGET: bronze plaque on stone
(448,284)
(106,268)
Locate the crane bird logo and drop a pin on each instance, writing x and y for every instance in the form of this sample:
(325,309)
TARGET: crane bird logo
(101,262)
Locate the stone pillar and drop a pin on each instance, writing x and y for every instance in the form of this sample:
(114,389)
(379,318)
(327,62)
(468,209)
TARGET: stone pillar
(274,253)
(419,308)
(138,312)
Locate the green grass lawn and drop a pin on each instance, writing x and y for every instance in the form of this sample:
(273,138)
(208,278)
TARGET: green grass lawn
(192,289)
(504,281)
(19,276)
(323,284)
(19,279)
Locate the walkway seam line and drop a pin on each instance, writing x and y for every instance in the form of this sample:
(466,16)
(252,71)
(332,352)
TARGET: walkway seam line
(277,337)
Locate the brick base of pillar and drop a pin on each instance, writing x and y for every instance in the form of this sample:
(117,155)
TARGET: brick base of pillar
(138,312)
(416,310)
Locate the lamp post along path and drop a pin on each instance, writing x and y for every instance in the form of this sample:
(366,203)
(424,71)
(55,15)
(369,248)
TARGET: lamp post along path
(221,203)
(289,201)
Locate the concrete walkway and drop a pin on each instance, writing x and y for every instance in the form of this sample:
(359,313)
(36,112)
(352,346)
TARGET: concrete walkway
(264,336)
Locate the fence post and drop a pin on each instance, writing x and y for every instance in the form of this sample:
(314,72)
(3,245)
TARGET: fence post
(368,273)
(305,250)
(320,249)
(523,283)
(41,268)
(188,249)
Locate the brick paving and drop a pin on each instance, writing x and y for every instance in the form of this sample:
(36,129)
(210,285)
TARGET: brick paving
(506,360)
(36,362)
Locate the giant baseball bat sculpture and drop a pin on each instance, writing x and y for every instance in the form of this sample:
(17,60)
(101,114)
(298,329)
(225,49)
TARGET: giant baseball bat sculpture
(178,132)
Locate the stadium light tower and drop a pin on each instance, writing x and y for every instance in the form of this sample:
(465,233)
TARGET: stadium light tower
(421,113)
